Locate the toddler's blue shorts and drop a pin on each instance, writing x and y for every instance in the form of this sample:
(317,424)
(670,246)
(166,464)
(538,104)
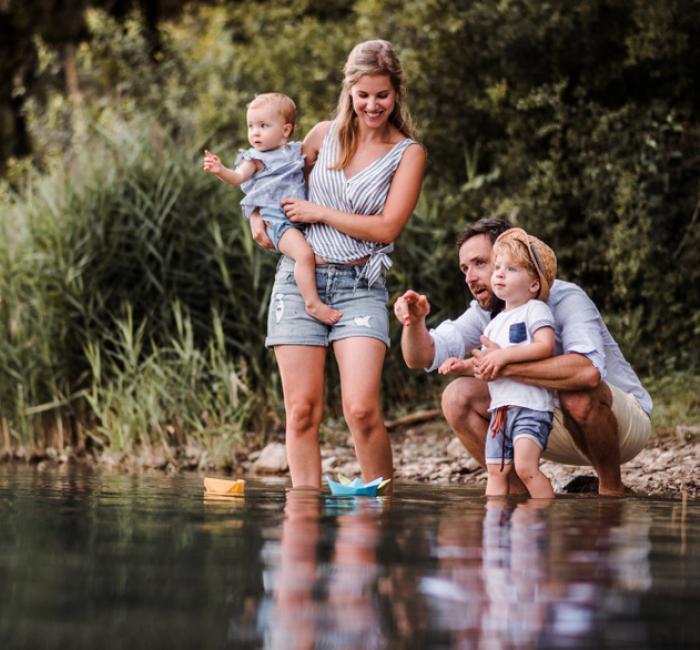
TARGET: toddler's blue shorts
(521,422)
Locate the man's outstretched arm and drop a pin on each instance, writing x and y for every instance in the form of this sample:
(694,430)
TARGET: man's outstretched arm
(417,346)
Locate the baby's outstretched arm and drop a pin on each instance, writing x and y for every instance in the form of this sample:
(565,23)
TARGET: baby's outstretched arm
(455,366)
(238,176)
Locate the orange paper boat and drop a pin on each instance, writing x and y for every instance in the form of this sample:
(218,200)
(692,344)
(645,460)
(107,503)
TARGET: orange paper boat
(223,487)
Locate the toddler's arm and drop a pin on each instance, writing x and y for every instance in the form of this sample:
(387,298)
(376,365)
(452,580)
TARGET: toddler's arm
(238,176)
(492,360)
(455,366)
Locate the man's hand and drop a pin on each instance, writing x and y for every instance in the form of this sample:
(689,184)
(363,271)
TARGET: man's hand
(455,366)
(411,308)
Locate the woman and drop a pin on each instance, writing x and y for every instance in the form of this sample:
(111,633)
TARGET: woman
(365,173)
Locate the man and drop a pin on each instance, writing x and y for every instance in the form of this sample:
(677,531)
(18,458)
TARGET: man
(604,415)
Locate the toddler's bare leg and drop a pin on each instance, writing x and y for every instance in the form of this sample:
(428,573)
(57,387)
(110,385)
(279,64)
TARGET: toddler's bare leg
(497,482)
(294,245)
(527,467)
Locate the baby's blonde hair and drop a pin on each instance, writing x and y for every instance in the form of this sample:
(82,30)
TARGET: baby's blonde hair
(284,105)
(517,253)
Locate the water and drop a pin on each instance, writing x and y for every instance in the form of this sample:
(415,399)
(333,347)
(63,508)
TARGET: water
(92,560)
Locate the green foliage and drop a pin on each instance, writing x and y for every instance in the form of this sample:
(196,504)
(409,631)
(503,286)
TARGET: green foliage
(677,401)
(127,281)
(578,121)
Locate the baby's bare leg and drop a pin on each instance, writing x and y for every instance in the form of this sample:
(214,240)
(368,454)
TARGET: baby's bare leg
(527,467)
(294,245)
(497,481)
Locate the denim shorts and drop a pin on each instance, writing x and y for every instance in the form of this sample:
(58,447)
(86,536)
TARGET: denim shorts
(339,286)
(277,223)
(521,422)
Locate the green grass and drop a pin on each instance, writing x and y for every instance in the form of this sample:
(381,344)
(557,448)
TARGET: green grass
(676,401)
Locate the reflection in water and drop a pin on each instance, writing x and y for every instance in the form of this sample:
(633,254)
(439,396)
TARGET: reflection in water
(146,562)
(324,603)
(533,587)
(502,573)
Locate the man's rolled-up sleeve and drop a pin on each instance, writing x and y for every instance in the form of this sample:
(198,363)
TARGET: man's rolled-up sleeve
(581,329)
(455,338)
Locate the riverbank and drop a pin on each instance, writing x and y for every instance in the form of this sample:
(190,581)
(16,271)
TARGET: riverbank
(424,452)
(667,467)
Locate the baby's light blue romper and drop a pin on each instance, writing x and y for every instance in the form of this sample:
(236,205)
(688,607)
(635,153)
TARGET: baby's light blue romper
(282,177)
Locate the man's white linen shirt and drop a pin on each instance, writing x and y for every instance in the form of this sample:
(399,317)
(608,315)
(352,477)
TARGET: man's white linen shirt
(578,327)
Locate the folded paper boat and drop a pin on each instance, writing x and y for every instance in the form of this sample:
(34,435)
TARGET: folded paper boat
(344,487)
(223,487)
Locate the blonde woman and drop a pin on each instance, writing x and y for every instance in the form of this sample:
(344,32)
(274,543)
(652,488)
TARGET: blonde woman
(364,172)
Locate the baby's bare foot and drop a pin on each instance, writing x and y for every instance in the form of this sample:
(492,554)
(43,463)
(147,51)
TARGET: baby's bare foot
(324,313)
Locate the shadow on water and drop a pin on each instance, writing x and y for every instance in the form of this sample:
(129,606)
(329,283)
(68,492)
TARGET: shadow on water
(104,560)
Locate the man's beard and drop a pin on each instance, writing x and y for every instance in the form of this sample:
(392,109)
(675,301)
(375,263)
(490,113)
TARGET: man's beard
(492,304)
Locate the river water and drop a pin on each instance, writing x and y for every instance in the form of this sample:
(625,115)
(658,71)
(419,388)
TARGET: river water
(102,560)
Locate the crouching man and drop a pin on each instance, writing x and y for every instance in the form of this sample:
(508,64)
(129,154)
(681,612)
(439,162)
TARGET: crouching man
(604,414)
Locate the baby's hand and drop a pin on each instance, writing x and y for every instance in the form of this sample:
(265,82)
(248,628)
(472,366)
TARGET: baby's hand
(490,364)
(212,163)
(454,366)
(257,227)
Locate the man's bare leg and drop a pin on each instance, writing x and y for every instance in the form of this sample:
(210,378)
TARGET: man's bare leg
(465,404)
(589,418)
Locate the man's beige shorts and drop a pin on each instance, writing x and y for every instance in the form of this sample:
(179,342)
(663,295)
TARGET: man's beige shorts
(634,429)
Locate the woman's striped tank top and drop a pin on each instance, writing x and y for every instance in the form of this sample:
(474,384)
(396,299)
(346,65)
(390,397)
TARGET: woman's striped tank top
(364,194)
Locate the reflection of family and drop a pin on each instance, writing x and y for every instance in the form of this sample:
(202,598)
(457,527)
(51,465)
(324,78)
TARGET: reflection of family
(364,173)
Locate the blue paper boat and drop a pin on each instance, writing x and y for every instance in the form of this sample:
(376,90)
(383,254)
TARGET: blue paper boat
(355,488)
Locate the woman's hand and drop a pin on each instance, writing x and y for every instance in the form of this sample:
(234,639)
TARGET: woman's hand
(257,227)
(301,211)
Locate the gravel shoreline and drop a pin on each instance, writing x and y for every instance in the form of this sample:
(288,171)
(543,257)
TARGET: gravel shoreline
(425,452)
(667,467)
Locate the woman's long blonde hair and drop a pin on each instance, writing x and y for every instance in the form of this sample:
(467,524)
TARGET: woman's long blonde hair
(375,57)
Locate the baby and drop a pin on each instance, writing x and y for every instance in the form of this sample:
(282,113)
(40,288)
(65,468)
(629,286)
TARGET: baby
(272,170)
(524,269)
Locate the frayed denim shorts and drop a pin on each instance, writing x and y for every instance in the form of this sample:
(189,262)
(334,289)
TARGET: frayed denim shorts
(339,285)
(521,422)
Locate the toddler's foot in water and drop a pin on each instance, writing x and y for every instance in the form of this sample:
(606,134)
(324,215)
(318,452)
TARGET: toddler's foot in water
(324,313)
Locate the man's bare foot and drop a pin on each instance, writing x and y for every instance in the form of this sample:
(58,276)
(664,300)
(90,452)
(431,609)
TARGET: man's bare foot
(585,484)
(324,313)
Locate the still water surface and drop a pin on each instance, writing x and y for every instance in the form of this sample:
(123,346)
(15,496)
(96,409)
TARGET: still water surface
(90,560)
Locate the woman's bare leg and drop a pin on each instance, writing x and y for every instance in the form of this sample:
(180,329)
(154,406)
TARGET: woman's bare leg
(301,369)
(360,361)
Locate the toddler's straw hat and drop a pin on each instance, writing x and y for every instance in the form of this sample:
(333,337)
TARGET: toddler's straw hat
(542,257)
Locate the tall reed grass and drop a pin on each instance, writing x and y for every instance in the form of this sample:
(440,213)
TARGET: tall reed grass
(133,300)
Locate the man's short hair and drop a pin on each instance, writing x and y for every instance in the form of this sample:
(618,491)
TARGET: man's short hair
(491,227)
